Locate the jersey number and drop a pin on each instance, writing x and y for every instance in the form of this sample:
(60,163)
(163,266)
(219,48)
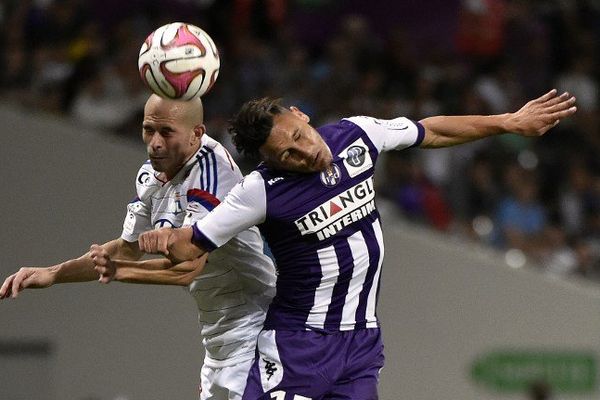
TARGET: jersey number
(280,395)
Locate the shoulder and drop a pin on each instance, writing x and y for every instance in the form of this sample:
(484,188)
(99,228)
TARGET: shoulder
(213,170)
(145,181)
(214,151)
(368,124)
(254,180)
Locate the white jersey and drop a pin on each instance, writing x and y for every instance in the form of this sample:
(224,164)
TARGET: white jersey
(237,284)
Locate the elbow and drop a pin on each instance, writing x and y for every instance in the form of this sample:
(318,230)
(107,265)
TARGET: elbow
(195,268)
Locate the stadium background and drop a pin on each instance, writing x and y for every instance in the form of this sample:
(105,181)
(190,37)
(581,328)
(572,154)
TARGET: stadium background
(71,106)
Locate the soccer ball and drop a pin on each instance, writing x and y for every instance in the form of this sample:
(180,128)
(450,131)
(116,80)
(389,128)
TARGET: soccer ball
(179,61)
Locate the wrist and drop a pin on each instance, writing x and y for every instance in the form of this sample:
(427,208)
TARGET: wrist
(54,273)
(508,123)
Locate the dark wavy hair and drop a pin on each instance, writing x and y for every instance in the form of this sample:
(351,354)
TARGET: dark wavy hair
(251,126)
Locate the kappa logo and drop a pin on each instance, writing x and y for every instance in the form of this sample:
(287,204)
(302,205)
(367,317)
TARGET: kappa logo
(274,180)
(331,176)
(270,368)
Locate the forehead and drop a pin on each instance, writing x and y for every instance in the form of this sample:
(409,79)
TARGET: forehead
(162,111)
(284,124)
(280,135)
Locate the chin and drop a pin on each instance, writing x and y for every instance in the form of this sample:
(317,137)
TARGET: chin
(157,166)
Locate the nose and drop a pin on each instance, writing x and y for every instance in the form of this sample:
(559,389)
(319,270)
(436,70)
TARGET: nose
(305,152)
(156,142)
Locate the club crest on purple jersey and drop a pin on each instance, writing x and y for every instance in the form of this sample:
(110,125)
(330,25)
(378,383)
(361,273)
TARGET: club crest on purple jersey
(331,176)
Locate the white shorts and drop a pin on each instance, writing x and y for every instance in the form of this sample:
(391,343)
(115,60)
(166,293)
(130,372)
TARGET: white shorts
(226,383)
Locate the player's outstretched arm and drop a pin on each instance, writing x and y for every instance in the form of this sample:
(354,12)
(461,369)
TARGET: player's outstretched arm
(159,271)
(156,271)
(75,270)
(533,119)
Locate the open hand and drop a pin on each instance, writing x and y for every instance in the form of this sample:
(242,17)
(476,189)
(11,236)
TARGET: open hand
(537,116)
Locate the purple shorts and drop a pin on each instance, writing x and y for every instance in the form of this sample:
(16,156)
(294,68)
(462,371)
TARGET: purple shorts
(308,365)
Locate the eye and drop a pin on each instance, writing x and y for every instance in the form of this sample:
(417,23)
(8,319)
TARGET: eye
(285,155)
(296,136)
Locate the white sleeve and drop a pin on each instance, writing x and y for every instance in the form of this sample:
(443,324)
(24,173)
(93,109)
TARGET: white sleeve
(391,134)
(138,218)
(243,207)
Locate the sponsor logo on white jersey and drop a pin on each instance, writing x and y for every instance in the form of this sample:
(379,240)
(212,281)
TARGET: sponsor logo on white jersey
(340,211)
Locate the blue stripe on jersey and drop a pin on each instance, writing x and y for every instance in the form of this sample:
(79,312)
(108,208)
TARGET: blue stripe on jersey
(209,171)
(201,165)
(135,200)
(208,167)
(214,160)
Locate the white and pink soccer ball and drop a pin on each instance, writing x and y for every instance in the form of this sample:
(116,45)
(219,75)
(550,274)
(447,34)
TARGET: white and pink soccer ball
(179,61)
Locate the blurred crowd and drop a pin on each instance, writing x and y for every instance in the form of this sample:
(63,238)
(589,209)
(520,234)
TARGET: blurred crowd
(539,198)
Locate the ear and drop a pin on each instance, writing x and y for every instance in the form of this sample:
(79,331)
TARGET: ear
(199,130)
(296,111)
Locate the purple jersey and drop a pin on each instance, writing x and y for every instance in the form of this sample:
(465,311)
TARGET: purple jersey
(323,228)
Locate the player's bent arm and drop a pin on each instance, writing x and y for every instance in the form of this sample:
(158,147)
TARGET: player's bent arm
(159,271)
(533,119)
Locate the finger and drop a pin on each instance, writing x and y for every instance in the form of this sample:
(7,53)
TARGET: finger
(164,243)
(542,131)
(4,291)
(17,285)
(100,261)
(144,242)
(106,278)
(558,99)
(564,113)
(545,97)
(141,241)
(553,106)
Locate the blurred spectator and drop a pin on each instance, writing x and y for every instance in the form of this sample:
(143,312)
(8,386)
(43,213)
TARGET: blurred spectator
(520,218)
(78,58)
(418,199)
